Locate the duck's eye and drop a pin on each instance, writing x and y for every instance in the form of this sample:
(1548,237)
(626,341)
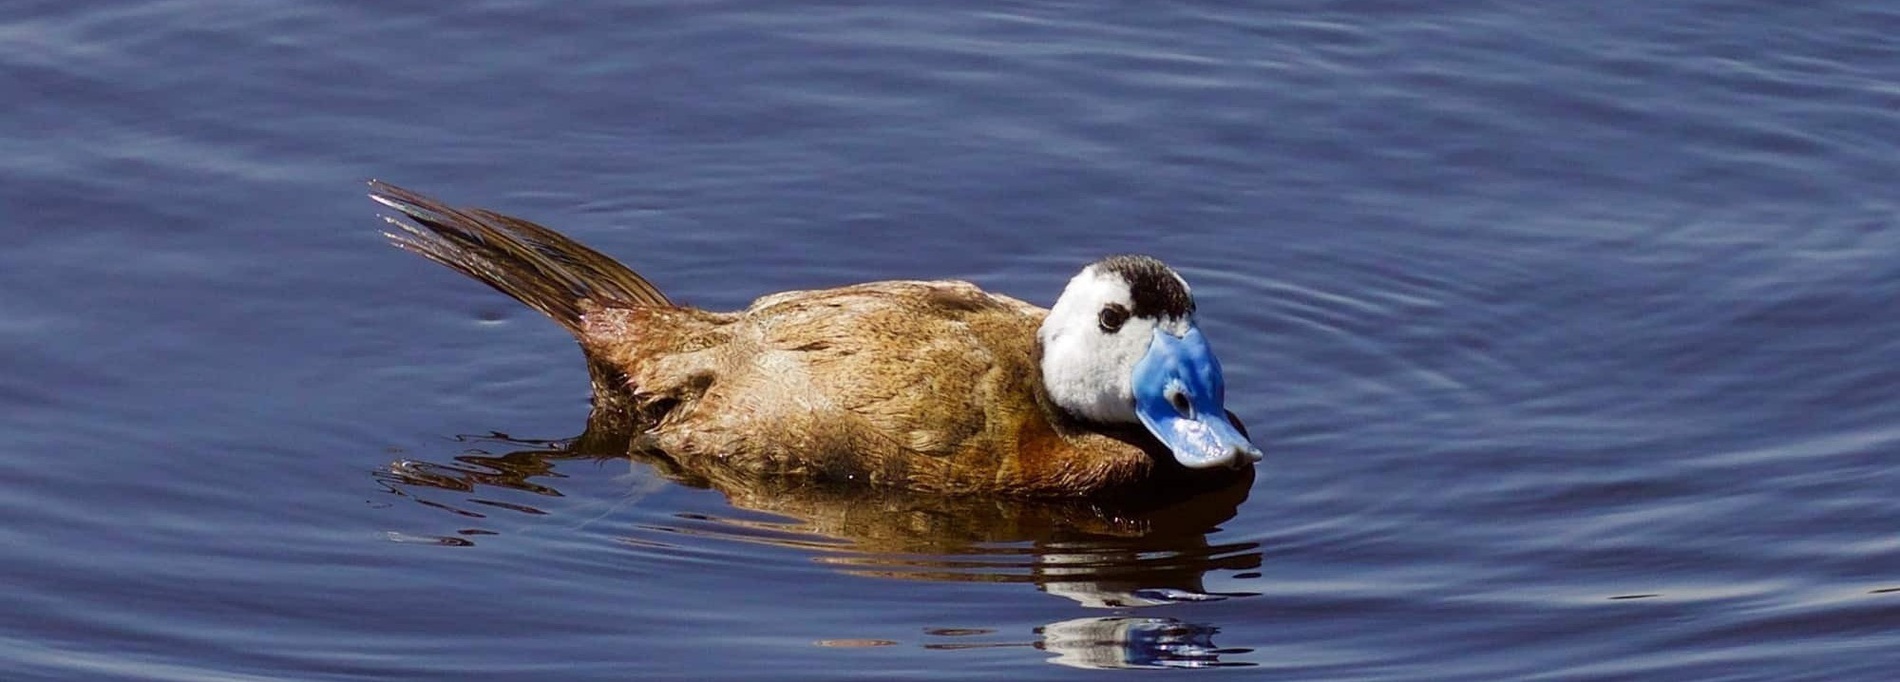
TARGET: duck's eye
(1112,317)
(1180,401)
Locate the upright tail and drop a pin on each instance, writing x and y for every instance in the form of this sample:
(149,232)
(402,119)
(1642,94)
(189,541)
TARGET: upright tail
(539,267)
(533,264)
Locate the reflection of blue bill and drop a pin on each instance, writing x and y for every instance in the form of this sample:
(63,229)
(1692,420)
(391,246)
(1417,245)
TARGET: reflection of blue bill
(1117,642)
(1095,593)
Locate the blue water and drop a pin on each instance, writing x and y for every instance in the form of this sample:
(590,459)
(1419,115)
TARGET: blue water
(1570,330)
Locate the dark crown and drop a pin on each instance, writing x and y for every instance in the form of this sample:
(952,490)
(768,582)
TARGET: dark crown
(1156,290)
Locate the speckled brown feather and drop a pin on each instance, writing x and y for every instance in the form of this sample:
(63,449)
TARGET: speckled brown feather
(930,386)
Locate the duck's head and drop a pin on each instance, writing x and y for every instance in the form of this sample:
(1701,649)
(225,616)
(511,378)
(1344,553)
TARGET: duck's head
(1121,347)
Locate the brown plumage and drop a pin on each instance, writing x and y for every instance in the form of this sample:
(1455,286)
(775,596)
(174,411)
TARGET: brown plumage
(931,386)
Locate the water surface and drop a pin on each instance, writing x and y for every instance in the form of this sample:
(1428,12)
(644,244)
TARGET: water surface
(1570,332)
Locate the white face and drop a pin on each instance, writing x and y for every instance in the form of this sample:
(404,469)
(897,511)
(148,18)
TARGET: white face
(1088,369)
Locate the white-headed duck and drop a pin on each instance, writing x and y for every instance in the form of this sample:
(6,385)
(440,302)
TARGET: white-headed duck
(933,386)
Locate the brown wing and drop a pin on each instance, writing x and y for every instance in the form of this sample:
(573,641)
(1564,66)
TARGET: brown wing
(889,381)
(921,363)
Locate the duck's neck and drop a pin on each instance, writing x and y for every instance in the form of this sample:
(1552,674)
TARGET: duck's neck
(1081,392)
(1082,389)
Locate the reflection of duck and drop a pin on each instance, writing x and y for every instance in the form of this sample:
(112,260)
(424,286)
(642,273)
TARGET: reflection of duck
(1115,553)
(1103,553)
(933,386)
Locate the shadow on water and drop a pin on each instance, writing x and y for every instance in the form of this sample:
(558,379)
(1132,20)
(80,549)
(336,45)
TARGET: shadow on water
(1112,554)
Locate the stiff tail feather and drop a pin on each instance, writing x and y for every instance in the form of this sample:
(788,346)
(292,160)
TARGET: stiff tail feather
(539,267)
(533,264)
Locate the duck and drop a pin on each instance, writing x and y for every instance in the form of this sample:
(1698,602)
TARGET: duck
(927,386)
